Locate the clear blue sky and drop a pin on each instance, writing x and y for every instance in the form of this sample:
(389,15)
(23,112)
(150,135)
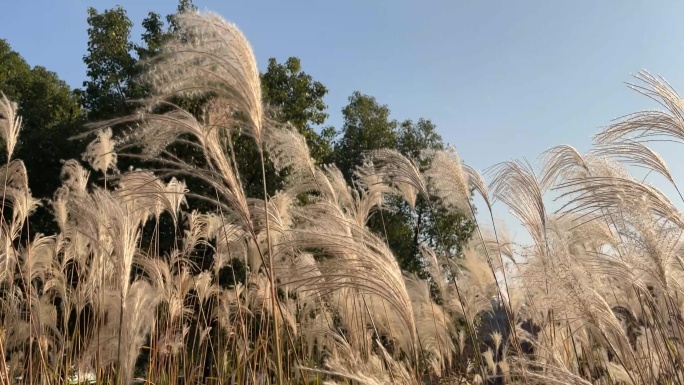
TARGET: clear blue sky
(501,79)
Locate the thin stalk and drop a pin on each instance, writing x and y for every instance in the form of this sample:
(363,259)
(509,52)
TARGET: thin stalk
(276,326)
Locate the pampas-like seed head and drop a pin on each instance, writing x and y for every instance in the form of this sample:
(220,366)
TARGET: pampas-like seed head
(10,124)
(100,152)
(210,56)
(448,180)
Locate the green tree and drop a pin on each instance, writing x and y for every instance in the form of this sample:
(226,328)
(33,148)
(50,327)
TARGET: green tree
(183,6)
(50,113)
(436,225)
(44,100)
(368,126)
(13,71)
(414,138)
(115,62)
(110,65)
(299,100)
(113,59)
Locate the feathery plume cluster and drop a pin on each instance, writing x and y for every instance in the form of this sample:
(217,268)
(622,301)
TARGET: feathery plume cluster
(295,287)
(10,124)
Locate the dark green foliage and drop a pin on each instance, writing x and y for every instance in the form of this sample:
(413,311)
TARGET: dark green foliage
(153,37)
(299,99)
(110,65)
(367,126)
(51,113)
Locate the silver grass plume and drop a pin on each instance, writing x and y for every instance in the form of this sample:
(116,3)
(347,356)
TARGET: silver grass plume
(369,194)
(16,194)
(210,56)
(433,324)
(477,183)
(363,263)
(515,184)
(650,124)
(612,193)
(111,227)
(447,179)
(141,192)
(561,163)
(339,191)
(146,195)
(434,267)
(175,191)
(229,238)
(74,176)
(635,153)
(138,315)
(10,124)
(100,152)
(397,170)
(221,174)
(376,370)
(288,149)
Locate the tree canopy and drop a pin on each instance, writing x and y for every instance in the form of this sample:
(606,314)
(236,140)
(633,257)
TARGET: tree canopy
(54,112)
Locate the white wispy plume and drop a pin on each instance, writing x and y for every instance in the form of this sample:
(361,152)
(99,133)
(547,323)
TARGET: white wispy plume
(394,169)
(210,56)
(447,179)
(100,152)
(10,124)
